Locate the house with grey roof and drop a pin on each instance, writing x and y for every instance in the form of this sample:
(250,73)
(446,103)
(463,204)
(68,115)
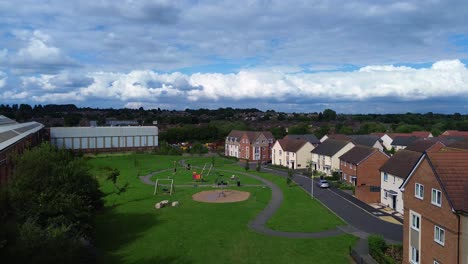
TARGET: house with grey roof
(401,142)
(392,175)
(372,141)
(309,137)
(325,157)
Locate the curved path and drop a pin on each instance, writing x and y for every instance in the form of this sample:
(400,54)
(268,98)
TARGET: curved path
(259,223)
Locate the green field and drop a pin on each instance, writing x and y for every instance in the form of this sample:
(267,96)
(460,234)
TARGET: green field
(130,230)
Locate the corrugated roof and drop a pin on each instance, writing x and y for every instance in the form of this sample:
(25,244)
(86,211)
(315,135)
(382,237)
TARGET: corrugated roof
(63,132)
(357,154)
(401,163)
(330,147)
(6,121)
(292,145)
(12,133)
(452,170)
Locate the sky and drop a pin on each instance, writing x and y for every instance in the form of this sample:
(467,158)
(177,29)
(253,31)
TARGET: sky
(292,56)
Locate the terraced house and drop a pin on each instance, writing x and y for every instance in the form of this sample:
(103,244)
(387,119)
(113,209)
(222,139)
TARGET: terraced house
(325,157)
(436,209)
(360,167)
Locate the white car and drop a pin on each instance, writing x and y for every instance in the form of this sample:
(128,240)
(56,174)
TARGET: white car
(323,184)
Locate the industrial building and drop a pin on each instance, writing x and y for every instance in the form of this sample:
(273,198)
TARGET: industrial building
(14,138)
(105,139)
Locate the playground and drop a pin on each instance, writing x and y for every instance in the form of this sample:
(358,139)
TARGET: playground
(221,196)
(131,230)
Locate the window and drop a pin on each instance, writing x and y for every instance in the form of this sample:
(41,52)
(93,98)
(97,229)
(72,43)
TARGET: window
(436,262)
(439,235)
(344,176)
(385,177)
(385,195)
(414,255)
(415,221)
(351,166)
(419,191)
(436,198)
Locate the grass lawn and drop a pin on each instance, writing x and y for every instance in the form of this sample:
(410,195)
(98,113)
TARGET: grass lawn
(130,230)
(298,212)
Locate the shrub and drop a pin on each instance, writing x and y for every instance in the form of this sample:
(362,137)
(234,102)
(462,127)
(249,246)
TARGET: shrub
(378,248)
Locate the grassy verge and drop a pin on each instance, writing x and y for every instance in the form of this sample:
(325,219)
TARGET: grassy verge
(298,212)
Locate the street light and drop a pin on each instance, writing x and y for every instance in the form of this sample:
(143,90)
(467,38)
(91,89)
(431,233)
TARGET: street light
(312,186)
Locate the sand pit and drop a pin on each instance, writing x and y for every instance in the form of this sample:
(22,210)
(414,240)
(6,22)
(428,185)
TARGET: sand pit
(221,196)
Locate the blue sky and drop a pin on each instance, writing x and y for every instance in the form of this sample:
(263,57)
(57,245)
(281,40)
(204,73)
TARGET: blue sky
(294,56)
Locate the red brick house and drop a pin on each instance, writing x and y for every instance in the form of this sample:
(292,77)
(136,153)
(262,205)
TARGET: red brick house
(435,228)
(250,145)
(360,167)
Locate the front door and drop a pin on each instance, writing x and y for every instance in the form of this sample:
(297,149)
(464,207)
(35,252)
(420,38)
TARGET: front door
(292,165)
(394,202)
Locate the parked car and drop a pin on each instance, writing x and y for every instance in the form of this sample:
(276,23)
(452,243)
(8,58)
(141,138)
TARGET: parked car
(323,184)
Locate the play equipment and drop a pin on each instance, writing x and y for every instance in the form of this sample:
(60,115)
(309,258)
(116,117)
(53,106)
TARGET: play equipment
(169,189)
(206,167)
(201,176)
(196,176)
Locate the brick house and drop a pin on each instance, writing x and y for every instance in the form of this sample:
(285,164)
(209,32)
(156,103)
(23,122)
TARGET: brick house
(435,229)
(325,157)
(360,167)
(231,148)
(394,172)
(249,145)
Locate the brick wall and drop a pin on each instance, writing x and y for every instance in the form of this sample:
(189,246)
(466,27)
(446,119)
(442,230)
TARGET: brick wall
(368,175)
(431,215)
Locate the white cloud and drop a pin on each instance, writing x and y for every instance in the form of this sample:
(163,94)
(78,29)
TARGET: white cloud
(3,79)
(444,78)
(39,48)
(39,55)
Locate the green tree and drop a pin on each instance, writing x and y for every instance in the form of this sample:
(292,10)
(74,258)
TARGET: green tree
(289,177)
(299,129)
(329,115)
(53,199)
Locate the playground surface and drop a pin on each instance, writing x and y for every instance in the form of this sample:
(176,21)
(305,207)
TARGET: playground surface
(221,196)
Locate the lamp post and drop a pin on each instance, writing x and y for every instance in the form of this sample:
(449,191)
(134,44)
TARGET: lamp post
(312,186)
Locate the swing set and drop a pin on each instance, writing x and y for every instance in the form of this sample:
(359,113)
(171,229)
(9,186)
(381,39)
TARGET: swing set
(166,188)
(201,177)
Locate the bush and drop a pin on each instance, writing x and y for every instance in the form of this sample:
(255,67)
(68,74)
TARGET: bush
(52,198)
(378,248)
